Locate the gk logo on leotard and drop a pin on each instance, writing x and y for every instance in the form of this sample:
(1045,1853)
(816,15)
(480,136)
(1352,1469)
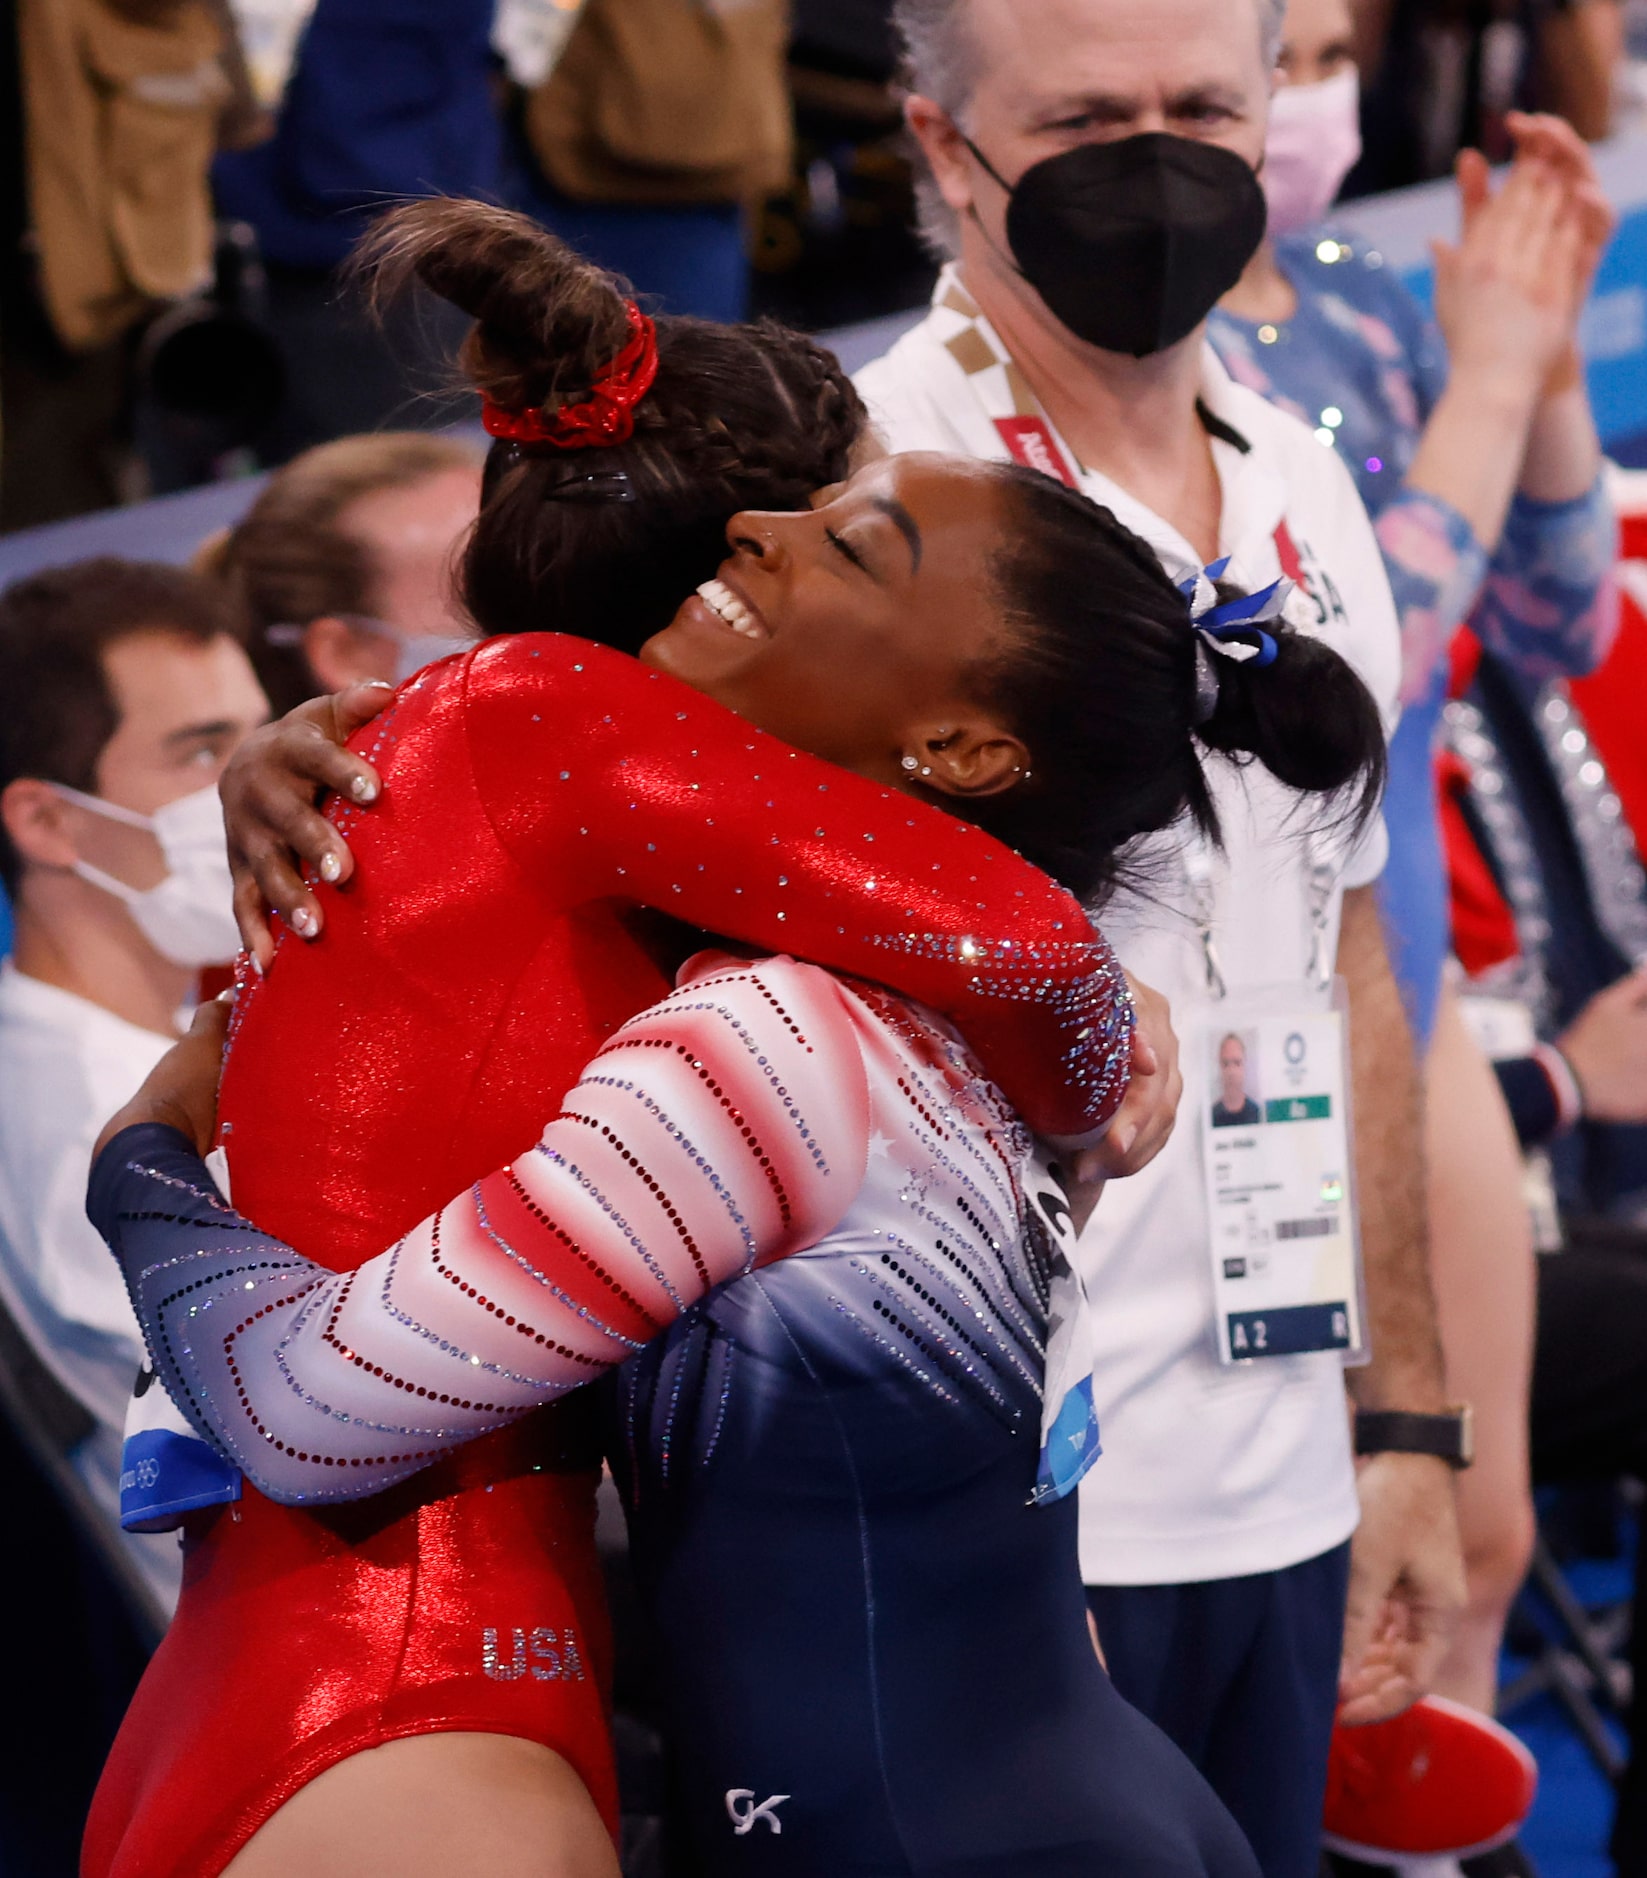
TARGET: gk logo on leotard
(550,1656)
(743,1812)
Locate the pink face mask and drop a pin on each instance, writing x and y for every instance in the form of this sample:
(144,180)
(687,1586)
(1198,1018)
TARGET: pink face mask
(1313,142)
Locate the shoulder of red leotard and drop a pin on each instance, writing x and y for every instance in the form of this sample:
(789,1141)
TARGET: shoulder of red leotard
(508,660)
(517,681)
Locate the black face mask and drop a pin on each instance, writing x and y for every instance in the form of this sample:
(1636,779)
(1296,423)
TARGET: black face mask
(1132,244)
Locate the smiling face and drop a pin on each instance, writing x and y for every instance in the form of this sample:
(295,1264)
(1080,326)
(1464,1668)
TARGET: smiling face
(854,630)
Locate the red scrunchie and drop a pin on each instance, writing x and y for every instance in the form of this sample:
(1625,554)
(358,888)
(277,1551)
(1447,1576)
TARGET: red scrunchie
(606,416)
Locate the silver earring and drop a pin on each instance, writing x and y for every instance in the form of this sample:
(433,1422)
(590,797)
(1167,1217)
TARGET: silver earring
(910,764)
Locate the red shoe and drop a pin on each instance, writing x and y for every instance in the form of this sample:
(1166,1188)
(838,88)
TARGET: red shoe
(1439,1781)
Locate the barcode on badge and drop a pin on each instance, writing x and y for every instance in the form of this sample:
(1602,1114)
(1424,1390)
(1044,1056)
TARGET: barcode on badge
(1322,1228)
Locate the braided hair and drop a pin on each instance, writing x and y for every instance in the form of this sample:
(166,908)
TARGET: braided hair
(606,543)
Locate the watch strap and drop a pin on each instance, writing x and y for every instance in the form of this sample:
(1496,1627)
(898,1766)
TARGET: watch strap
(1448,1436)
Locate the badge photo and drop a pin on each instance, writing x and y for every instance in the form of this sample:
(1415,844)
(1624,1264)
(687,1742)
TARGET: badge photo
(1275,1138)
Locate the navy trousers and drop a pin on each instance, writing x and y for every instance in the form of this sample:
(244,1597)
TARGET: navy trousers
(1243,1674)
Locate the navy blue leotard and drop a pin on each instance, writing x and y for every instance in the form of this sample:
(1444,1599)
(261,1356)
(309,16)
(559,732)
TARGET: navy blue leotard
(877,1656)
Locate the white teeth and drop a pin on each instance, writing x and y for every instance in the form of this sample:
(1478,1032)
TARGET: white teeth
(719,598)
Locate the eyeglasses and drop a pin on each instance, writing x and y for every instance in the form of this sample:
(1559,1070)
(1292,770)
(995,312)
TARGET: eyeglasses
(292,635)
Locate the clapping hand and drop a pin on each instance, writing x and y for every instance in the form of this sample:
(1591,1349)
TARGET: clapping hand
(1553,142)
(1510,295)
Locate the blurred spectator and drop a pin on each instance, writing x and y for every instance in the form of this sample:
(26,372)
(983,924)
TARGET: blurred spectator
(382,102)
(1546,814)
(342,565)
(1550,908)
(1473,446)
(112,111)
(839,244)
(269,31)
(1445,75)
(125,690)
(661,124)
(1580,53)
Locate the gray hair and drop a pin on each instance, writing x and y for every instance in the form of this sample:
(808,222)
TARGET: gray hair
(940,63)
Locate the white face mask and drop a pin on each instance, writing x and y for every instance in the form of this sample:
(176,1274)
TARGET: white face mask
(1314,141)
(189,917)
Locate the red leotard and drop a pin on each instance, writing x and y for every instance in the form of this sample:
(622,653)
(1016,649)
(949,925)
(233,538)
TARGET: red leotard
(537,791)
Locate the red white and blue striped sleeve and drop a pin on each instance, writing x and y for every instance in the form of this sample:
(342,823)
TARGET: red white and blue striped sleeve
(719,1130)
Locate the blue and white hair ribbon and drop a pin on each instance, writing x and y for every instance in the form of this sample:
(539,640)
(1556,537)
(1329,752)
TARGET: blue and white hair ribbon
(1234,629)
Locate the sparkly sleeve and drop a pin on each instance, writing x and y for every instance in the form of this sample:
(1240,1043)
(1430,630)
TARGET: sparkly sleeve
(1545,601)
(1550,606)
(663,797)
(722,1129)
(1435,565)
(1542,598)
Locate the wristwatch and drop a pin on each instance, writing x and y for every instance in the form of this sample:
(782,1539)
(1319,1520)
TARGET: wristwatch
(1449,1436)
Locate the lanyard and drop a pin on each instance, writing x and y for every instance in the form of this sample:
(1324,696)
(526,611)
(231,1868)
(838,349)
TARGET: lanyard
(1196,857)
(1321,876)
(1321,883)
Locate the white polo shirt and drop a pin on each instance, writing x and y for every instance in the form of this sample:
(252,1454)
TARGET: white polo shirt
(66,1065)
(1207,1471)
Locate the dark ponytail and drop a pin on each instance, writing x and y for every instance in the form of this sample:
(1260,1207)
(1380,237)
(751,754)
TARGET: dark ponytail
(606,543)
(1098,675)
(1307,718)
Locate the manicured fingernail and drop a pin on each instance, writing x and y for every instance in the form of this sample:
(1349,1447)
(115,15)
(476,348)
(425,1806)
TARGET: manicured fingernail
(304,922)
(331,865)
(377,684)
(257,964)
(363,789)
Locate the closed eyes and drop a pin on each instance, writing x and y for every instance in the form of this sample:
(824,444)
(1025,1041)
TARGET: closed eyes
(843,546)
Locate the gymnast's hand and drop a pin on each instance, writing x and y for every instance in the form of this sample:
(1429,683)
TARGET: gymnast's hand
(181,1090)
(1144,1122)
(270,793)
